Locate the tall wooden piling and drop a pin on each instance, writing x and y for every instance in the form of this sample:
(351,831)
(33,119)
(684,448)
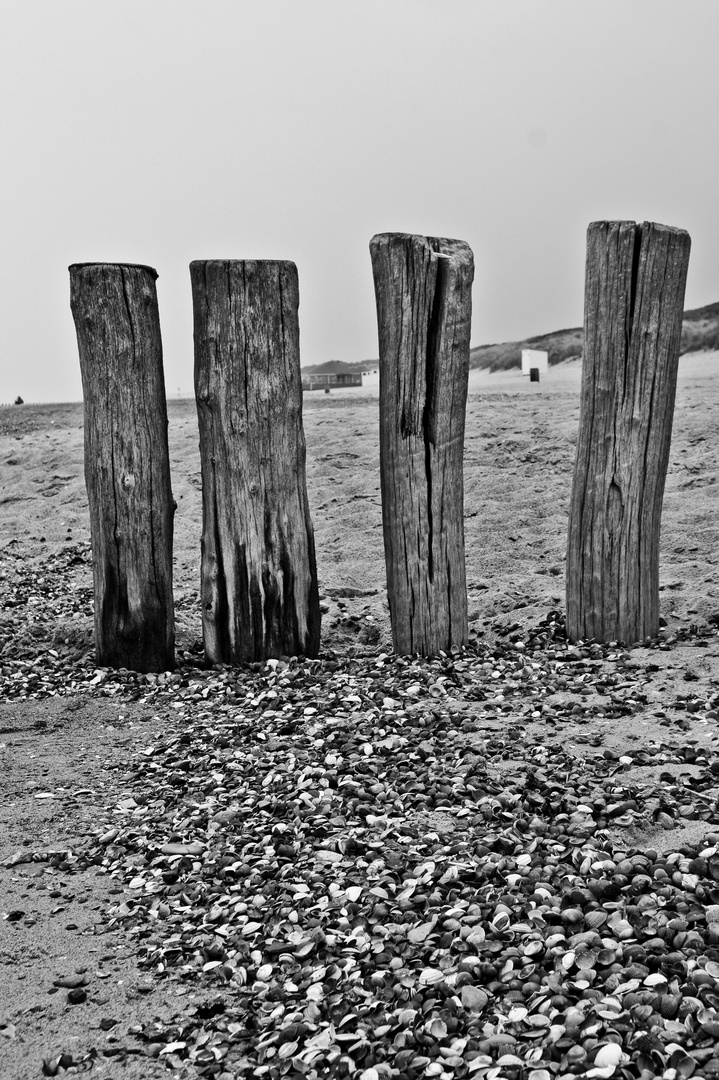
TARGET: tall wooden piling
(258,577)
(127,468)
(634,299)
(423,287)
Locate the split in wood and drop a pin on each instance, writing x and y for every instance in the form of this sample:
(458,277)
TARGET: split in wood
(423,291)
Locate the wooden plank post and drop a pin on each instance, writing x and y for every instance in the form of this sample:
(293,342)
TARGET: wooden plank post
(634,300)
(423,287)
(127,466)
(259,588)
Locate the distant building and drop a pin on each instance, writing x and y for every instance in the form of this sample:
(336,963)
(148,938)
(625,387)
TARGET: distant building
(331,380)
(535,358)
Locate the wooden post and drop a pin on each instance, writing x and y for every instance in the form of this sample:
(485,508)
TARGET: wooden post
(634,299)
(423,287)
(127,467)
(259,578)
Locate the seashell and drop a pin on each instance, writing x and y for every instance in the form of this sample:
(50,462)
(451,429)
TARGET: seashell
(683,1063)
(690,1006)
(474,998)
(655,945)
(438,1029)
(669,1005)
(519,1012)
(605,957)
(576,1054)
(609,1054)
(579,895)
(430,976)
(500,922)
(499,1043)
(532,948)
(574,1018)
(647,1043)
(636,971)
(567,961)
(595,918)
(537,1021)
(588,938)
(587,959)
(641,1012)
(646,1065)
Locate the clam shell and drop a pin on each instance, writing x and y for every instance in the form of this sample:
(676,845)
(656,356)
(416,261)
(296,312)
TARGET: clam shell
(647,1066)
(669,1005)
(609,1054)
(503,1049)
(645,1042)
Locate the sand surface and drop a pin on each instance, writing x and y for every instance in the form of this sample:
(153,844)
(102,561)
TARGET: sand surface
(519,457)
(520,442)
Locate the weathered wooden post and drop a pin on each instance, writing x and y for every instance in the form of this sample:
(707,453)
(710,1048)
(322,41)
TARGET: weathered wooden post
(423,287)
(634,299)
(127,467)
(259,578)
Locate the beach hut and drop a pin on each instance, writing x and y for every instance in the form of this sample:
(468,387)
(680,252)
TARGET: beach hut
(535,358)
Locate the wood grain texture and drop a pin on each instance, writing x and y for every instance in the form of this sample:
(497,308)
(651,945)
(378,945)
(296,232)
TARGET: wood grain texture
(259,579)
(127,468)
(423,288)
(634,299)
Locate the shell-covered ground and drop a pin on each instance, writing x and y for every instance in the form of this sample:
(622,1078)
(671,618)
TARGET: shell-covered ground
(502,862)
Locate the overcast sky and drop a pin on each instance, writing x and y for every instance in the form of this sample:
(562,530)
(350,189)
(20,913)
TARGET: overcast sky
(161,131)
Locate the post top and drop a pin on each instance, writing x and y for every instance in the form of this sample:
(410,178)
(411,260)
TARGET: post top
(242,262)
(642,226)
(442,247)
(115,266)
